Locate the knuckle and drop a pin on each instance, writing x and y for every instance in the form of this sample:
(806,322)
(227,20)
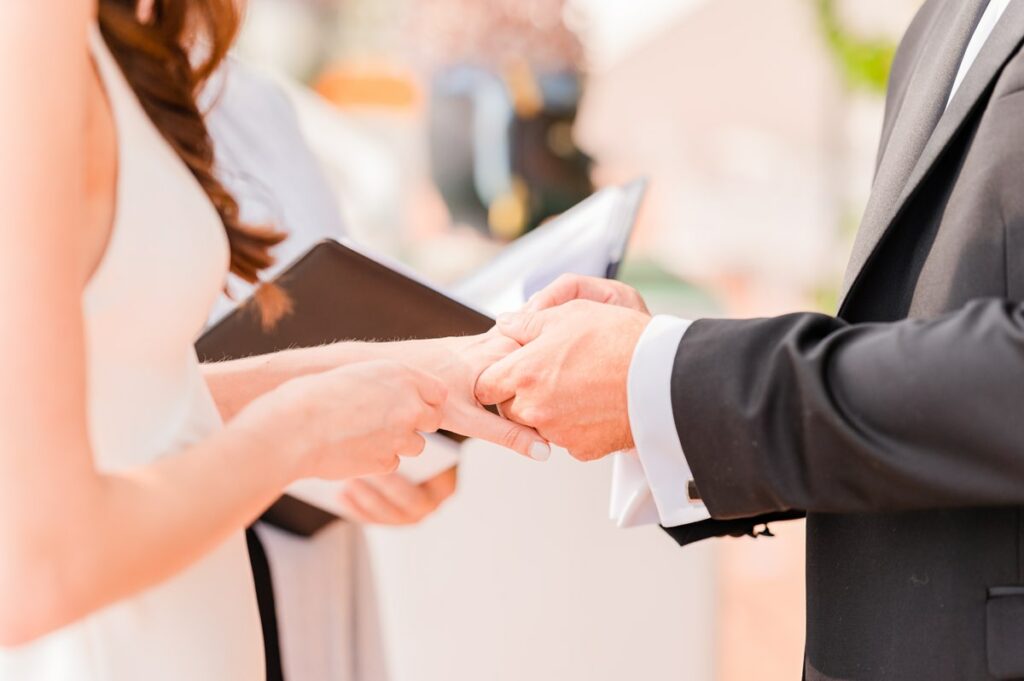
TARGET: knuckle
(483,390)
(533,415)
(430,415)
(546,416)
(577,306)
(638,302)
(502,345)
(526,379)
(566,280)
(388,463)
(528,324)
(410,413)
(514,412)
(511,436)
(413,446)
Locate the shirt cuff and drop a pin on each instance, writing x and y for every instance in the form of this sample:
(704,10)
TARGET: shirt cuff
(666,473)
(631,504)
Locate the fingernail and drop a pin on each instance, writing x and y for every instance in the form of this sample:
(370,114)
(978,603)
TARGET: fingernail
(540,451)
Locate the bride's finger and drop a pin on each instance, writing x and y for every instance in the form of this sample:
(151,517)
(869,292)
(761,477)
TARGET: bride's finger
(484,425)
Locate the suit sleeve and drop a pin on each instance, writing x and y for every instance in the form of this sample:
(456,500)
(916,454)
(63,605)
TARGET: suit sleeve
(807,412)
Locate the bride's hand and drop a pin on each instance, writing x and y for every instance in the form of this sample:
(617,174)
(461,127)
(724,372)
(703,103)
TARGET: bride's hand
(353,421)
(458,362)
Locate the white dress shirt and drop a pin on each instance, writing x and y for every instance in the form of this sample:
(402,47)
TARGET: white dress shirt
(651,484)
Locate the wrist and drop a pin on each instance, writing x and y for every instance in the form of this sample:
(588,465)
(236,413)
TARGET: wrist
(254,445)
(634,332)
(335,355)
(275,428)
(320,358)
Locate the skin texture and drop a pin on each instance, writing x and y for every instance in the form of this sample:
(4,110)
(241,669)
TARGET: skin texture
(457,362)
(569,379)
(575,287)
(95,537)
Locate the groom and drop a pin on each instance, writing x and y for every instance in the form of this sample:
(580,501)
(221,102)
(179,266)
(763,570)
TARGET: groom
(897,426)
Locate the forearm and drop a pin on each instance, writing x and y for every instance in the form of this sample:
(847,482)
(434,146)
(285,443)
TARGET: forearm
(807,412)
(113,535)
(236,383)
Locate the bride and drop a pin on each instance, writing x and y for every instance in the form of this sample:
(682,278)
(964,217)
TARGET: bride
(127,469)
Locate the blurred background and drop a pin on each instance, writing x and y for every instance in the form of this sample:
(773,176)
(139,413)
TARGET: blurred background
(449,128)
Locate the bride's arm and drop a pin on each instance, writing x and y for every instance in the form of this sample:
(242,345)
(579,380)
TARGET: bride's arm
(458,362)
(73,539)
(236,383)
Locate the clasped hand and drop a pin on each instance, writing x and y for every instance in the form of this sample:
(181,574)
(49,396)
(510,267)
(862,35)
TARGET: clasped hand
(569,379)
(557,371)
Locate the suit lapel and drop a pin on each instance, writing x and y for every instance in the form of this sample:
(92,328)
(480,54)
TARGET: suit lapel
(899,83)
(922,131)
(1001,46)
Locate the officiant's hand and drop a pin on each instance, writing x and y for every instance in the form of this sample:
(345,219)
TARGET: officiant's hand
(393,500)
(569,379)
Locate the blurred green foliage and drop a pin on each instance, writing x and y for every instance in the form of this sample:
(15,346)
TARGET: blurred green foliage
(864,61)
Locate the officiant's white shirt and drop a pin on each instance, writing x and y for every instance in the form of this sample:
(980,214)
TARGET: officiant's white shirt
(651,484)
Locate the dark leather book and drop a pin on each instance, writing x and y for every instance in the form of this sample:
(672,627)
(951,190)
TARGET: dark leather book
(338,294)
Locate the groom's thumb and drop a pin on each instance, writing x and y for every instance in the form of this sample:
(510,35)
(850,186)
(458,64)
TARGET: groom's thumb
(522,327)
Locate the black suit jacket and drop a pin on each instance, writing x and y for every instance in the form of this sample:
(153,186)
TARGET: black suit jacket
(898,425)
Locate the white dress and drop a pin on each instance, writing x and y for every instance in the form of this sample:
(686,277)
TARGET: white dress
(164,267)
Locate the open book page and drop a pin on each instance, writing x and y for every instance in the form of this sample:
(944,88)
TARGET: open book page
(588,239)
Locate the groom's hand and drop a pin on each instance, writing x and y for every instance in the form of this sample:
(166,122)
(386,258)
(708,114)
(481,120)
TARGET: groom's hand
(570,287)
(568,381)
(458,362)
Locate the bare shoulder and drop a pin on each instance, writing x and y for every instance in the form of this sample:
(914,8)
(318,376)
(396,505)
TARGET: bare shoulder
(44,75)
(44,39)
(55,17)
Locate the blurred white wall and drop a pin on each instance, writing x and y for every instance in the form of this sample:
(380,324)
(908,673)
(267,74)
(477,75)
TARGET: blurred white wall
(522,577)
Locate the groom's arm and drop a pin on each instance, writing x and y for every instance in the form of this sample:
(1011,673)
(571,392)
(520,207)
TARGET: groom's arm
(807,412)
(802,412)
(661,470)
